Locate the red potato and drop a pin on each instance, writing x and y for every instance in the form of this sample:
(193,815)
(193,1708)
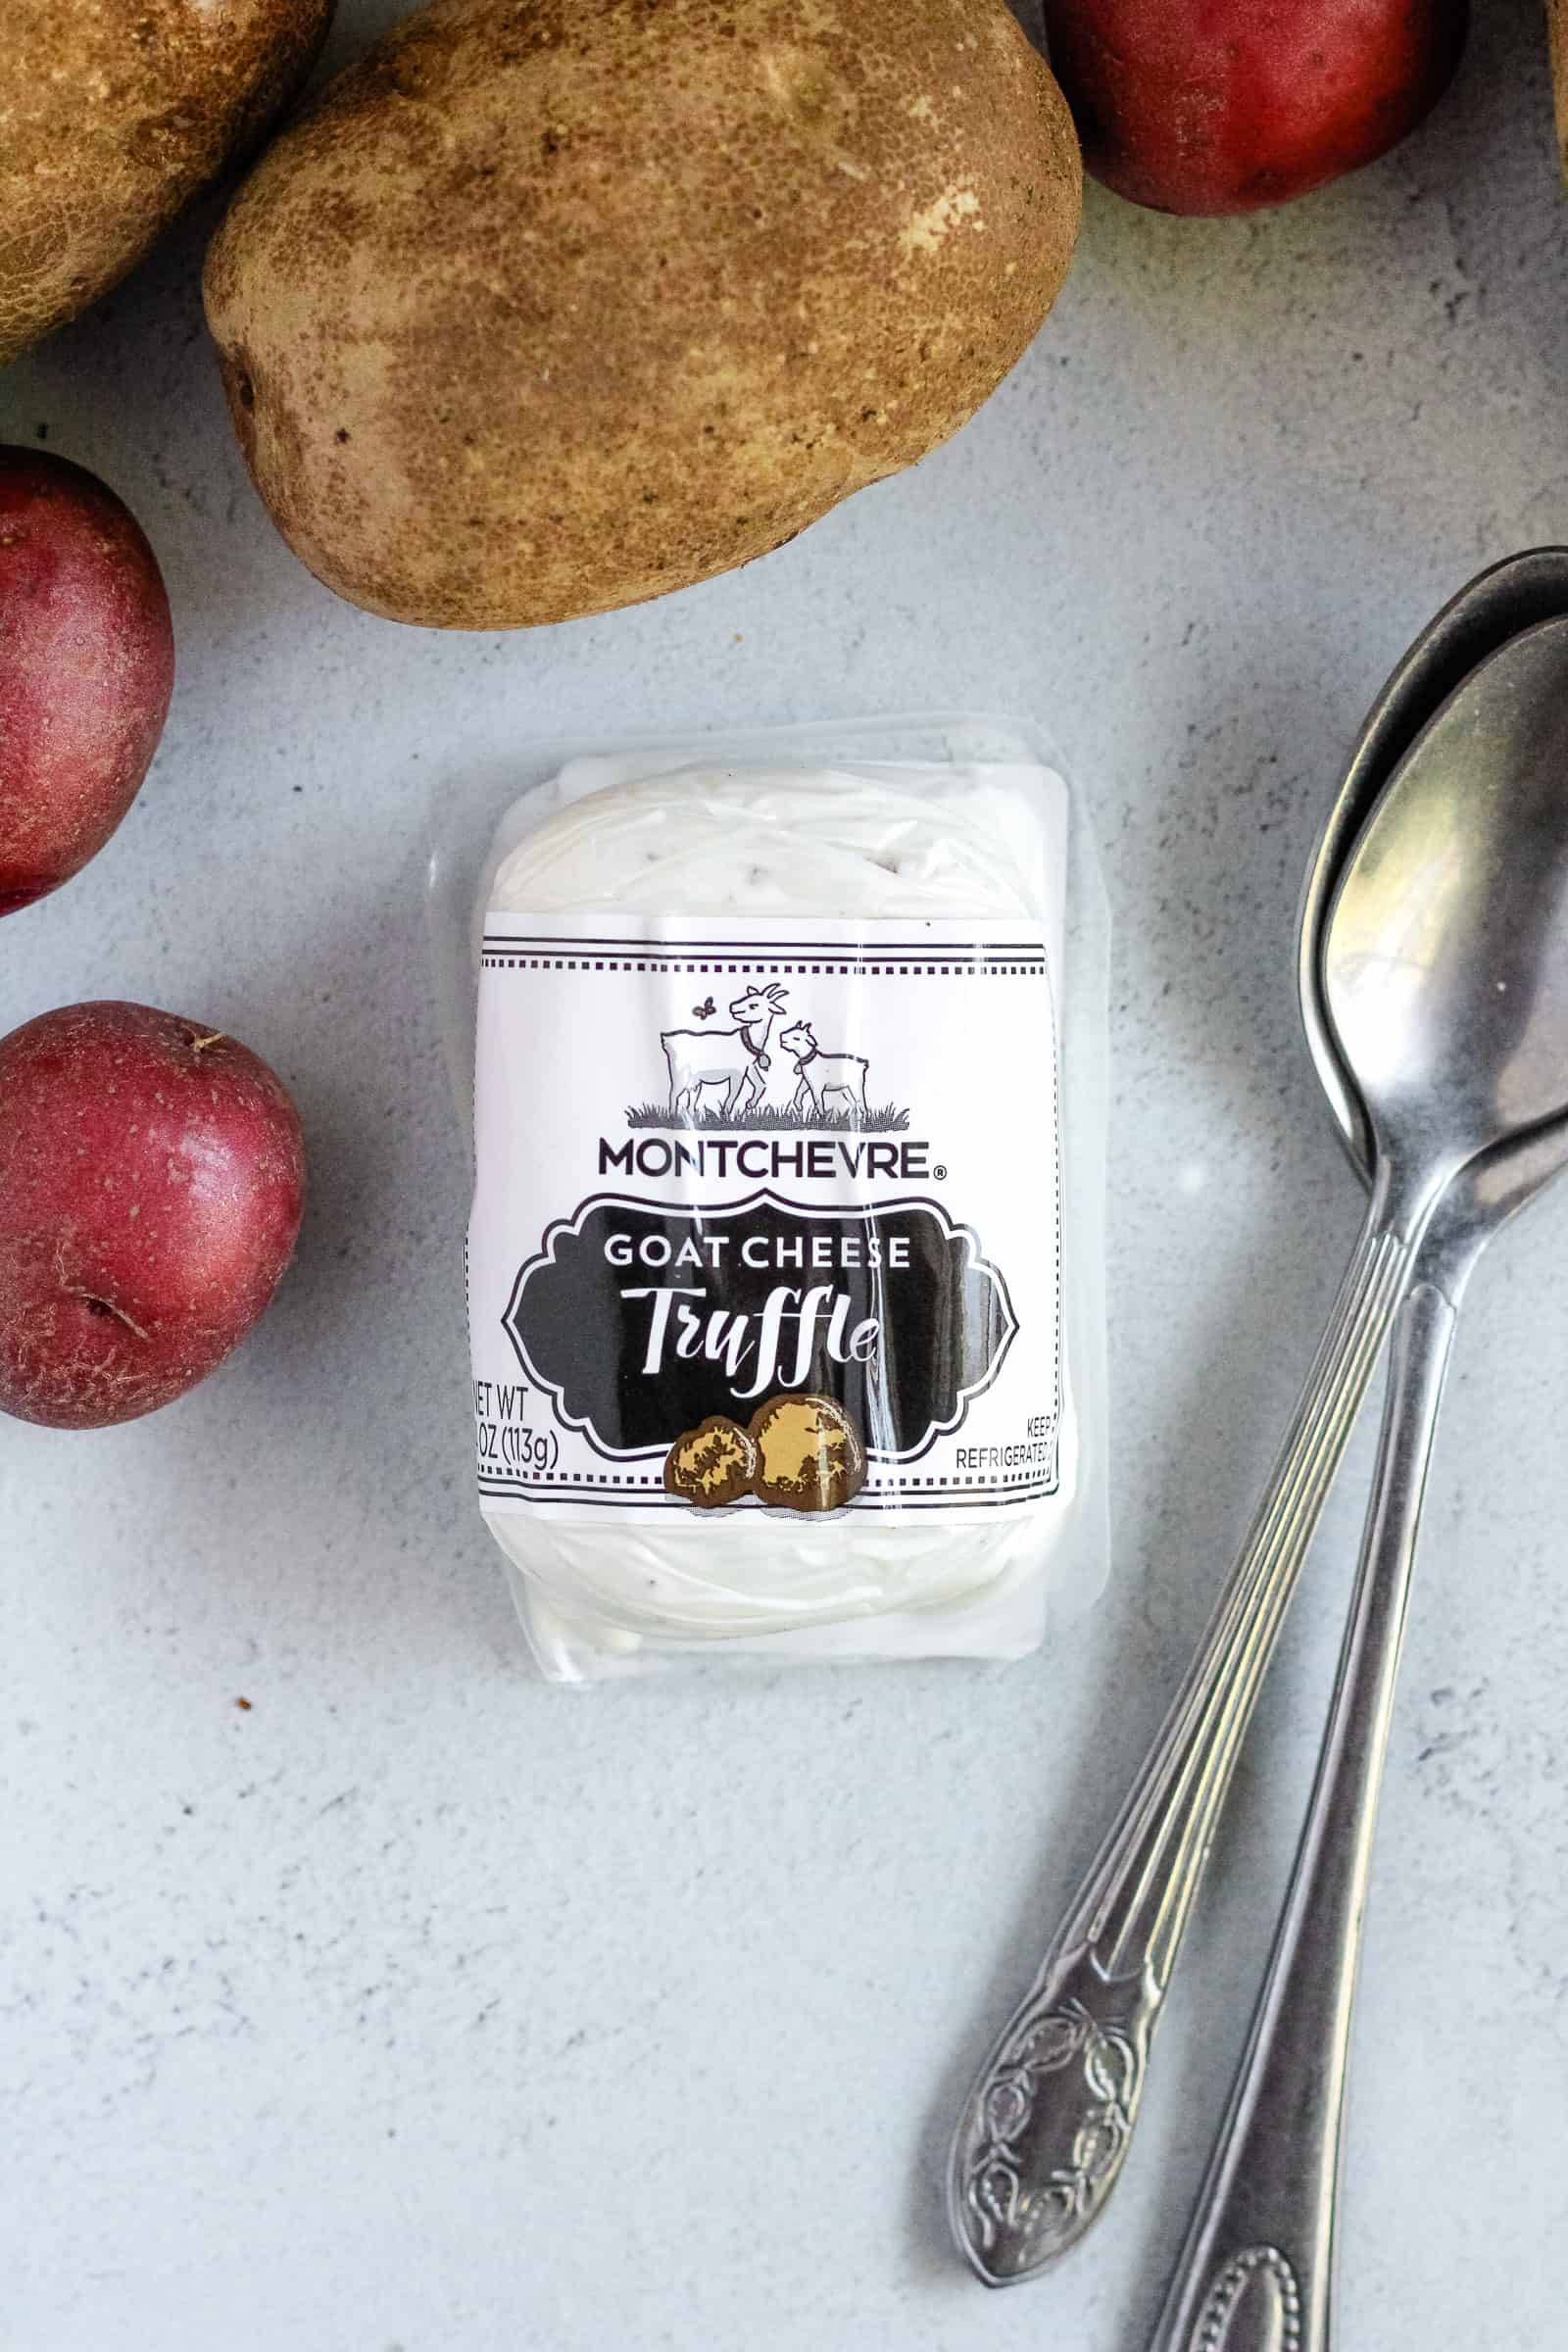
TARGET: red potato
(1225,106)
(152,1174)
(86,668)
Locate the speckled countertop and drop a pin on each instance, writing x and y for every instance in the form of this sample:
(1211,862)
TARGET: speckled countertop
(411,2007)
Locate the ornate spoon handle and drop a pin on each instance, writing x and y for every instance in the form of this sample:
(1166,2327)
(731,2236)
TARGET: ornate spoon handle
(1257,2271)
(1042,2137)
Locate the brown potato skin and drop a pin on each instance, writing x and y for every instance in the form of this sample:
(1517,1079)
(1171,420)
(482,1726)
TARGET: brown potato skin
(117,111)
(86,668)
(541,312)
(152,1176)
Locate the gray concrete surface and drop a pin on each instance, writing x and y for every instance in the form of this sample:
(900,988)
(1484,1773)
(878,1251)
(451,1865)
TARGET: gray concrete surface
(420,2009)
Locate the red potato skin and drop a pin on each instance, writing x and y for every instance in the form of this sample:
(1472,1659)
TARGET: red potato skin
(152,1176)
(1225,106)
(86,668)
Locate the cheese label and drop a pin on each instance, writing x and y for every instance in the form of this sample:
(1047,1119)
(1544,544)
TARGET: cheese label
(767,1215)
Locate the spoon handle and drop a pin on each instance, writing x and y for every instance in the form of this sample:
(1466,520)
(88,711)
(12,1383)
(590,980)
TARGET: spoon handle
(1257,2270)
(1042,2137)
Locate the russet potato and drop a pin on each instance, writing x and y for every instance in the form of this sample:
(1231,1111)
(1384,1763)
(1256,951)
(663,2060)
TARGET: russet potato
(543,309)
(113,113)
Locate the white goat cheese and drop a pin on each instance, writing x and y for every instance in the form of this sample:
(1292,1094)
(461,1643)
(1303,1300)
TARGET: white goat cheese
(766,1253)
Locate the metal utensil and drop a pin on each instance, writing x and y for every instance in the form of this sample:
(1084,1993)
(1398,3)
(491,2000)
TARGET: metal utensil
(1498,604)
(1261,2248)
(1419,910)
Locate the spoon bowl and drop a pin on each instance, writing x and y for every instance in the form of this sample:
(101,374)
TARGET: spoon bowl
(1444,961)
(1498,604)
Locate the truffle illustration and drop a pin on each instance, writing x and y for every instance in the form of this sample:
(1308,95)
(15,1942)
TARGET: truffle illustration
(712,1464)
(809,1453)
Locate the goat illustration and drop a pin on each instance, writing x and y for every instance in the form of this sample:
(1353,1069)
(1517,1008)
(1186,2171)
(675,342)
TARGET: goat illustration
(736,1059)
(823,1074)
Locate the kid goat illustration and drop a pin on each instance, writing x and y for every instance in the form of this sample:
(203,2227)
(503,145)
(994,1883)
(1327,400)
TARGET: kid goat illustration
(824,1074)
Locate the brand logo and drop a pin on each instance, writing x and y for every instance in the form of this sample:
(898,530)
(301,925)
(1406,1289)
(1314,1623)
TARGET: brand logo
(759,1066)
(755,1158)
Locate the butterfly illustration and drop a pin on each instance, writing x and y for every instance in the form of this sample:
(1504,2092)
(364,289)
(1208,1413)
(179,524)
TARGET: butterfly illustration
(703,1012)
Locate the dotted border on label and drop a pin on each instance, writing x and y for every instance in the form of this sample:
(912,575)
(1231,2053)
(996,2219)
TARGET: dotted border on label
(1006,1483)
(884,1499)
(494,959)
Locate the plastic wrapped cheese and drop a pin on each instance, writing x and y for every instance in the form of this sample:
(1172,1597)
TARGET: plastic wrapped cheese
(785,1255)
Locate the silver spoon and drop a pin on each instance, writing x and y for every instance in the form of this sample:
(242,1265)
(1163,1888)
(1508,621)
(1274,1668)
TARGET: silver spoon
(1498,604)
(1428,918)
(1259,2254)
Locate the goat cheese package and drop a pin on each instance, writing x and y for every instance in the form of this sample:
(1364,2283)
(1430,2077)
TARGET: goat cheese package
(776,1306)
